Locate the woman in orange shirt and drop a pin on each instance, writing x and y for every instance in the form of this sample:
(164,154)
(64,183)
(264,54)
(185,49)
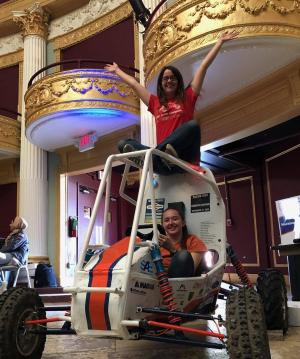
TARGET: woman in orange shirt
(181,252)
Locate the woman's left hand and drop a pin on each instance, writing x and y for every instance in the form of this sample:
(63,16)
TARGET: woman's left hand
(228,35)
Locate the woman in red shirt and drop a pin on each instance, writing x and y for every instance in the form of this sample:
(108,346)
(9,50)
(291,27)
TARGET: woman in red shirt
(173,107)
(181,252)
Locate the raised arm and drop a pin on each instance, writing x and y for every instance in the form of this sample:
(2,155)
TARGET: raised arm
(140,90)
(198,79)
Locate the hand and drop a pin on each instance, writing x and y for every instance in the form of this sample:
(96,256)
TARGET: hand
(112,67)
(164,241)
(228,35)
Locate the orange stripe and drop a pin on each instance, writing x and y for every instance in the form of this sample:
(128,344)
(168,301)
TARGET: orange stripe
(100,278)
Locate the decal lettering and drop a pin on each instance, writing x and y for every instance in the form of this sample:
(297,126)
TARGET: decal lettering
(144,285)
(200,202)
(146,266)
(137,291)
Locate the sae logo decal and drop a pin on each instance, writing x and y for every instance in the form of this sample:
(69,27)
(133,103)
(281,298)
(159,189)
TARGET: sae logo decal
(159,208)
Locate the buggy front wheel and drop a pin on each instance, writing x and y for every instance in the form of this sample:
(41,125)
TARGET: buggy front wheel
(18,305)
(246,327)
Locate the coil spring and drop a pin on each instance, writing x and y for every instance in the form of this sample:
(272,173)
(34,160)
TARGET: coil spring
(167,294)
(241,272)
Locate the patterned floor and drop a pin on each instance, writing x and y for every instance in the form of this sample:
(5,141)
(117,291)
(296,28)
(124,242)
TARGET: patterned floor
(61,347)
(76,347)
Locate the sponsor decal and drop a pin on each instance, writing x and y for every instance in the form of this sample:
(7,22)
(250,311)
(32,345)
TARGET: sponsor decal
(146,266)
(159,208)
(200,202)
(137,291)
(144,285)
(182,288)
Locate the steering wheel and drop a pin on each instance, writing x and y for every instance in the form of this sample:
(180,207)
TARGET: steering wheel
(146,236)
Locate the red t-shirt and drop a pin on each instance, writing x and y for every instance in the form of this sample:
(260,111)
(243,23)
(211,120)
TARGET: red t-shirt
(172,116)
(193,245)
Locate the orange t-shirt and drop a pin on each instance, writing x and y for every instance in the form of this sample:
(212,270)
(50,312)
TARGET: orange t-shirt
(193,245)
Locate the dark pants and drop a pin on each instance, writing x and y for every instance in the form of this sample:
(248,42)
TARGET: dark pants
(185,140)
(182,265)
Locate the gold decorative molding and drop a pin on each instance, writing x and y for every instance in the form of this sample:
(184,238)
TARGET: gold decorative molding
(83,88)
(11,59)
(271,219)
(9,171)
(274,99)
(189,25)
(249,178)
(10,135)
(32,21)
(108,20)
(57,9)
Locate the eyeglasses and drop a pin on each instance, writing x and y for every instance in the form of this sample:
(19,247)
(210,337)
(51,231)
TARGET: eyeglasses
(171,78)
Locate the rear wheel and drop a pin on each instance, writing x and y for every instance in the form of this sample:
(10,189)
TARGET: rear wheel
(272,290)
(245,324)
(17,306)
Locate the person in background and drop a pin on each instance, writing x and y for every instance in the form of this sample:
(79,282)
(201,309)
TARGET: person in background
(16,246)
(173,107)
(182,252)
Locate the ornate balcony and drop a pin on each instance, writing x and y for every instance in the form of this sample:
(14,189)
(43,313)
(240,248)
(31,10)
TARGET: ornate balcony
(268,41)
(10,137)
(66,105)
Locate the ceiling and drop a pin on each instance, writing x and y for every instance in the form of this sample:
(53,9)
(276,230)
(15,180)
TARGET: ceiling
(246,153)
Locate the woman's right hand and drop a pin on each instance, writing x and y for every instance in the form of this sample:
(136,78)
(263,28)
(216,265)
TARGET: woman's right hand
(164,241)
(111,67)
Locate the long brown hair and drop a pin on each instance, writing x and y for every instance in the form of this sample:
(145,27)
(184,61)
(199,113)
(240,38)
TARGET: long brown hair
(185,232)
(179,95)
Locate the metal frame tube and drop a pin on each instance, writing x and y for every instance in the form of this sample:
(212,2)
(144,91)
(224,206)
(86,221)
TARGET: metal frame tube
(134,229)
(94,211)
(106,205)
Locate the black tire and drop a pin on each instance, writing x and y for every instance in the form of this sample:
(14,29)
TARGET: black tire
(16,306)
(247,336)
(272,290)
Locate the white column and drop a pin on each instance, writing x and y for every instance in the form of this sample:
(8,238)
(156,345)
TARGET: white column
(148,130)
(33,160)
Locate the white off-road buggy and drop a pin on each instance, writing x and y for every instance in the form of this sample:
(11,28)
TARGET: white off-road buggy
(122,291)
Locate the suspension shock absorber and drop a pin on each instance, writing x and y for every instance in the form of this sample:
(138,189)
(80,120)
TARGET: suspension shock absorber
(164,285)
(240,270)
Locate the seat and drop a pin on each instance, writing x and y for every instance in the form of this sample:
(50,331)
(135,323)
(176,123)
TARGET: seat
(17,269)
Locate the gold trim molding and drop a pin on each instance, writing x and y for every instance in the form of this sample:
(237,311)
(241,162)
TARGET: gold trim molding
(32,21)
(104,22)
(11,59)
(190,25)
(10,135)
(84,88)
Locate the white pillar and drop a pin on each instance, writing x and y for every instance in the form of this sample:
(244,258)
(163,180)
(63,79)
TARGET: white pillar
(148,130)
(33,160)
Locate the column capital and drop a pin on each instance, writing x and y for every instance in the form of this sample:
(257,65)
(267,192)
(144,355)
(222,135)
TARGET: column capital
(32,21)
